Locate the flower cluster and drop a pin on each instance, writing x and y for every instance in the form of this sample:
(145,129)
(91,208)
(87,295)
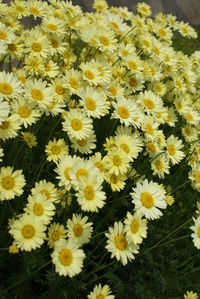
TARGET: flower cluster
(122,101)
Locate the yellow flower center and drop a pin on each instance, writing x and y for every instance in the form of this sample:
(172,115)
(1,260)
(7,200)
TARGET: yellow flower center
(46,193)
(38,209)
(117,160)
(133,82)
(36,47)
(76,124)
(151,147)
(149,129)
(65,257)
(67,172)
(135,226)
(104,40)
(125,148)
(5,125)
(28,231)
(5,88)
(24,112)
(124,52)
(171,149)
(147,200)
(146,43)
(81,172)
(162,32)
(3,35)
(120,242)
(149,103)
(78,229)
(115,25)
(12,47)
(184,30)
(100,296)
(82,142)
(52,27)
(197,175)
(159,165)
(123,112)
(89,193)
(56,235)
(113,90)
(56,150)
(8,183)
(22,79)
(37,94)
(54,43)
(99,166)
(198,233)
(60,90)
(113,179)
(189,117)
(19,8)
(90,104)
(156,51)
(132,65)
(89,74)
(74,83)
(47,67)
(34,10)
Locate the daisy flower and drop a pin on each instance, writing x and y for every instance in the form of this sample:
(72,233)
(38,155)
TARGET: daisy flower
(118,245)
(9,127)
(174,152)
(116,182)
(50,69)
(79,230)
(38,92)
(130,144)
(150,102)
(26,111)
(191,295)
(101,292)
(37,9)
(93,101)
(53,25)
(194,176)
(160,166)
(42,209)
(55,233)
(106,40)
(29,138)
(135,227)
(144,9)
(27,232)
(77,124)
(36,44)
(6,34)
(134,63)
(11,183)
(85,145)
(90,72)
(56,149)
(196,232)
(90,195)
(4,109)
(149,198)
(59,89)
(10,87)
(67,258)
(46,188)
(117,161)
(73,81)
(124,110)
(1,154)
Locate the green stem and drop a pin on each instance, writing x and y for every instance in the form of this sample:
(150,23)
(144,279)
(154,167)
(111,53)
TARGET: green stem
(127,33)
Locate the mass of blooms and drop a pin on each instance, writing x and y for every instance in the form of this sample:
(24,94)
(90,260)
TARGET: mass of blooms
(116,96)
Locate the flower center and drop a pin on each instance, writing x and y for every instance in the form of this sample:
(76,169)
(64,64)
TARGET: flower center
(65,257)
(120,242)
(78,229)
(151,147)
(5,88)
(104,40)
(76,124)
(37,94)
(158,165)
(52,27)
(3,35)
(12,47)
(147,200)
(171,149)
(28,231)
(19,8)
(132,65)
(90,104)
(113,90)
(149,104)
(123,112)
(54,43)
(133,82)
(135,226)
(113,179)
(34,11)
(36,47)
(60,90)
(89,193)
(125,148)
(74,83)
(24,111)
(38,209)
(198,232)
(67,172)
(149,129)
(56,150)
(162,32)
(56,235)
(81,172)
(117,160)
(5,125)
(99,166)
(89,75)
(8,182)
(82,142)
(46,193)
(100,296)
